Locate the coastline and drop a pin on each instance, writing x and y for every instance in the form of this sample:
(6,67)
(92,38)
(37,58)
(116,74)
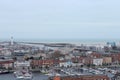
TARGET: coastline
(72,41)
(77,42)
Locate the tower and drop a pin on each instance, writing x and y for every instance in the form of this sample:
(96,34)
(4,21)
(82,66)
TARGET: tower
(11,41)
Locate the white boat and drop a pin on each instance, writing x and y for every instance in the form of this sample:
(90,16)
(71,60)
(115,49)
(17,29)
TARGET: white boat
(18,75)
(50,74)
(24,76)
(28,76)
(44,71)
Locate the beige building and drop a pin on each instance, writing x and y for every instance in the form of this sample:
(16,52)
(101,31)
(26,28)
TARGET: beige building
(107,60)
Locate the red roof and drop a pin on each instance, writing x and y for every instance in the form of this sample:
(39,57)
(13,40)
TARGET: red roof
(6,61)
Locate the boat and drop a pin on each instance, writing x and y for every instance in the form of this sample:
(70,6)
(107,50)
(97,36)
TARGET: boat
(44,71)
(28,76)
(4,72)
(18,76)
(50,73)
(23,75)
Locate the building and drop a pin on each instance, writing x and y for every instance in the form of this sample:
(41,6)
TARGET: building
(42,63)
(22,64)
(115,57)
(107,60)
(98,61)
(111,44)
(5,52)
(95,55)
(66,64)
(92,61)
(6,63)
(87,61)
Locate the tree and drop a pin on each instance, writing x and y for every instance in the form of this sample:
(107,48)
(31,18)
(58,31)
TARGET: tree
(31,58)
(56,55)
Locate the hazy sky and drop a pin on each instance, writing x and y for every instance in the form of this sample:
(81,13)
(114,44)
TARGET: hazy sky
(60,19)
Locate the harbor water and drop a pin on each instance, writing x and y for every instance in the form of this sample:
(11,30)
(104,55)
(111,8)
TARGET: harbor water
(36,76)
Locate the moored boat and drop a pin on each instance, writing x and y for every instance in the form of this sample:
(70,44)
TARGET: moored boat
(23,75)
(4,72)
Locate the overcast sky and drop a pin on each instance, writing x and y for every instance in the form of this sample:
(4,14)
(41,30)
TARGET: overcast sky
(60,19)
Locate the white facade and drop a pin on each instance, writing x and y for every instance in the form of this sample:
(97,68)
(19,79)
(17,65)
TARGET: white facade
(5,52)
(22,64)
(66,64)
(98,61)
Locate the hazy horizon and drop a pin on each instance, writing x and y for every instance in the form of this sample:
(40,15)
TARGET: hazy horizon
(73,41)
(60,19)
